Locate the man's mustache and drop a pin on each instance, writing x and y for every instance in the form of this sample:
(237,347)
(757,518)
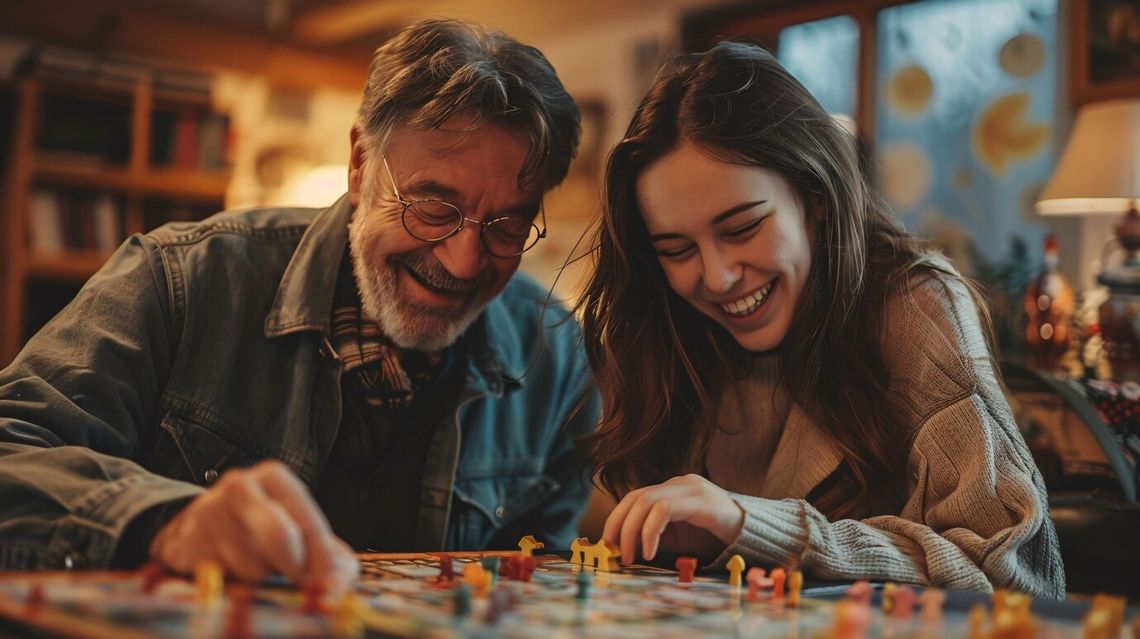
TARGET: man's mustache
(434,273)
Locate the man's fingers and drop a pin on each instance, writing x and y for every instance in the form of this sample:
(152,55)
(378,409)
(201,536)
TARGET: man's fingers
(324,559)
(275,537)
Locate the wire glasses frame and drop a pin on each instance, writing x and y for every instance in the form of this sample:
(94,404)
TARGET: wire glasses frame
(435,220)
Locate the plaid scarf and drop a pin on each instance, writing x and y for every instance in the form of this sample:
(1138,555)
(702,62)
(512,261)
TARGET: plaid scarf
(388,375)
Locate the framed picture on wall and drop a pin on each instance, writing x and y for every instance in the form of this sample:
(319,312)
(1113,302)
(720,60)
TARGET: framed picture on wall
(1105,50)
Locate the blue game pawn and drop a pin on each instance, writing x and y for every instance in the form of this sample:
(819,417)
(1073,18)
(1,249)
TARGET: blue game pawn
(584,581)
(491,565)
(462,598)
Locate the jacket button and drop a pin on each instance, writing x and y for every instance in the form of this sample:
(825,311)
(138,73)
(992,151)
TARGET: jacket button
(210,476)
(500,512)
(72,561)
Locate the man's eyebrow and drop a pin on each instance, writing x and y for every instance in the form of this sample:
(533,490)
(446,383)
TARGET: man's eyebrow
(739,208)
(432,188)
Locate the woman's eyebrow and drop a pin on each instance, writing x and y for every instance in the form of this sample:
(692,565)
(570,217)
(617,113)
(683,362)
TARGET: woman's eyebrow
(739,208)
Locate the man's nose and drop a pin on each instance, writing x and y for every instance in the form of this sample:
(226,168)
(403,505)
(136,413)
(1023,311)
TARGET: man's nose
(463,254)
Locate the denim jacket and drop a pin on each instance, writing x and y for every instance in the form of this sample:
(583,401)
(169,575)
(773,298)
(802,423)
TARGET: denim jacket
(203,347)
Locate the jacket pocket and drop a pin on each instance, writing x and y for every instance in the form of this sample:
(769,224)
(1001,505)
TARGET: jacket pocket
(485,505)
(206,454)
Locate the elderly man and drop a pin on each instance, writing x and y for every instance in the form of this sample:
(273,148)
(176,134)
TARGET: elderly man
(272,388)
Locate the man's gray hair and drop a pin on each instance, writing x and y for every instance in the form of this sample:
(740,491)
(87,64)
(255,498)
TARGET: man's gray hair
(435,69)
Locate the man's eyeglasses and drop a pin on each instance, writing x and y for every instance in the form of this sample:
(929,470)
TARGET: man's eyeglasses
(435,220)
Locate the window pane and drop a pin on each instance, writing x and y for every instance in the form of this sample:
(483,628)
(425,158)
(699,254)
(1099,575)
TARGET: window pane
(965,121)
(824,56)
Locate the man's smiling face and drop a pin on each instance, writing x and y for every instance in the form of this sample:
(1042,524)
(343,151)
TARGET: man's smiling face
(425,295)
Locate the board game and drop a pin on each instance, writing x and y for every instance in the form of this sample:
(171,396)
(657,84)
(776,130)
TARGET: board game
(411,595)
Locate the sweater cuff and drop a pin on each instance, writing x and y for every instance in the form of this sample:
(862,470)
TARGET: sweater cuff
(775,533)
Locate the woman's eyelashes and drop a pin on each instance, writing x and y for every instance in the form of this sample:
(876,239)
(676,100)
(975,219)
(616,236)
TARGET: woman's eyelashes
(735,233)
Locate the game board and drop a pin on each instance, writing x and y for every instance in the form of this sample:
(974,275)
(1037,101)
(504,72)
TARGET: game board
(400,596)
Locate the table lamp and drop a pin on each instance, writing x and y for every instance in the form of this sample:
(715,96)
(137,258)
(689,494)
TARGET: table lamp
(1099,173)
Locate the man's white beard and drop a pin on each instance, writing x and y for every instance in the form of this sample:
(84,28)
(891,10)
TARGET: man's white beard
(407,324)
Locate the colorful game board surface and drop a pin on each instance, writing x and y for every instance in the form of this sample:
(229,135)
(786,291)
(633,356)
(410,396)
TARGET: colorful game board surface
(401,596)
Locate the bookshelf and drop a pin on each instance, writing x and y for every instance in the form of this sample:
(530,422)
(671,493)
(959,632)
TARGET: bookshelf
(92,162)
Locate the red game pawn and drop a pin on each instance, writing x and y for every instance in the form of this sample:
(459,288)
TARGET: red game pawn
(36,598)
(152,576)
(239,620)
(446,570)
(860,592)
(687,566)
(514,567)
(311,604)
(755,579)
(528,564)
(902,605)
(778,577)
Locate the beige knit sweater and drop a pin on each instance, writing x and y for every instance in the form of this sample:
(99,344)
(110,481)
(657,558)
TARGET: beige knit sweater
(975,514)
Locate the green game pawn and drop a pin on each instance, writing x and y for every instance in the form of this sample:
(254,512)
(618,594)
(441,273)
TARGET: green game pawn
(584,580)
(491,565)
(462,598)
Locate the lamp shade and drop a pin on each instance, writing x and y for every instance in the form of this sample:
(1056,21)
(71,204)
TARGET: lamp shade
(1099,171)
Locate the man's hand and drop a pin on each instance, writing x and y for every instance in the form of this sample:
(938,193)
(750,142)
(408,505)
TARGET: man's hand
(687,514)
(256,522)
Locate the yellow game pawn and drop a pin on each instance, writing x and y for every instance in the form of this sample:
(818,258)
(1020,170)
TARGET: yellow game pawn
(977,621)
(347,621)
(476,577)
(889,597)
(795,585)
(209,582)
(735,568)
(1114,606)
(578,549)
(607,556)
(529,544)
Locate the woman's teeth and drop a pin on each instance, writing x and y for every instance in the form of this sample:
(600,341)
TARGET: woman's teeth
(750,302)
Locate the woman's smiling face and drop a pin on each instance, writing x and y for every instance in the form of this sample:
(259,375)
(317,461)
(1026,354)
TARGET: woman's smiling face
(734,241)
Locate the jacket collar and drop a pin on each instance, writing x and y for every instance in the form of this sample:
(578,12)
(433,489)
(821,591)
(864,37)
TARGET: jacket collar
(305,294)
(304,302)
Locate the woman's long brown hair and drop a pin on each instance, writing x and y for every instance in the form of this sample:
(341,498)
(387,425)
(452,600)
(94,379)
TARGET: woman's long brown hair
(659,362)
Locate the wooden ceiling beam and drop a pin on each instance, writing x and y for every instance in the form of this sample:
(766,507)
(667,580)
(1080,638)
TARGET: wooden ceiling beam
(333,22)
(93,25)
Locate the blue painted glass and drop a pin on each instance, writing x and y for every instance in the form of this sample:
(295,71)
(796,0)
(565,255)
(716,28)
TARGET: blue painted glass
(965,122)
(824,56)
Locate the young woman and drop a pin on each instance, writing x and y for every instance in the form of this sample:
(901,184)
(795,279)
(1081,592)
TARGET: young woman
(786,374)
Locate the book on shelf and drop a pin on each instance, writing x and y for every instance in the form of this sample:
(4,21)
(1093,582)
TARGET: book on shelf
(192,140)
(63,220)
(45,231)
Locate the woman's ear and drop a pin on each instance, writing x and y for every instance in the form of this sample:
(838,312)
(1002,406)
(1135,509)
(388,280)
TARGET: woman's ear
(355,164)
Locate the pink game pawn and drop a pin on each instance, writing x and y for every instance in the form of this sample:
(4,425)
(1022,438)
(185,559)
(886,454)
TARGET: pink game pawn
(755,579)
(932,600)
(778,578)
(860,592)
(687,566)
(903,605)
(446,570)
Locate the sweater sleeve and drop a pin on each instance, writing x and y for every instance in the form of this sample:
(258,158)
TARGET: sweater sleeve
(975,515)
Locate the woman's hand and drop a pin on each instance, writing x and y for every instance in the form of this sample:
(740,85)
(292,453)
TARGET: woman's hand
(685,514)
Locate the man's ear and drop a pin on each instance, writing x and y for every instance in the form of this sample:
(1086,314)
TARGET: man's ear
(355,165)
